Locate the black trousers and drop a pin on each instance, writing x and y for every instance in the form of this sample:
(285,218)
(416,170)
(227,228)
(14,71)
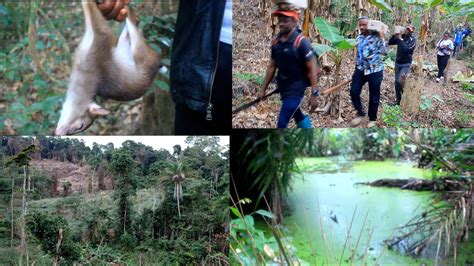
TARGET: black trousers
(190,122)
(358,81)
(442,63)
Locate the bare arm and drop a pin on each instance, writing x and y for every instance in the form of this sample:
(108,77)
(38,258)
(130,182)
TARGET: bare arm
(313,79)
(268,76)
(312,76)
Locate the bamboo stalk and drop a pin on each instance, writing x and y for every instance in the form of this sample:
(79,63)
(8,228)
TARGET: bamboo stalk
(348,235)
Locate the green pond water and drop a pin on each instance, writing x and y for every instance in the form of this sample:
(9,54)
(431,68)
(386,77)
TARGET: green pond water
(318,195)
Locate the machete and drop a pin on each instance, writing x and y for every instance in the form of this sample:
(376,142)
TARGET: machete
(250,104)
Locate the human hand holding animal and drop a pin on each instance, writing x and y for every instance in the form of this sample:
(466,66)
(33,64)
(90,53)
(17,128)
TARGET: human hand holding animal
(119,70)
(113,9)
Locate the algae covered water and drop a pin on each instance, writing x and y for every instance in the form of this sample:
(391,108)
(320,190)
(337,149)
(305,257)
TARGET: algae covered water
(323,203)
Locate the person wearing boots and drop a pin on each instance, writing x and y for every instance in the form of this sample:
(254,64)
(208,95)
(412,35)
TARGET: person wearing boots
(294,58)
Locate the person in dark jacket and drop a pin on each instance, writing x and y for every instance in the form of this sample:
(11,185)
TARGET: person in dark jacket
(201,68)
(201,64)
(406,44)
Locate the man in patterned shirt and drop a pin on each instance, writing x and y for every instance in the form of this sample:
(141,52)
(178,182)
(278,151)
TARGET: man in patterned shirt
(369,68)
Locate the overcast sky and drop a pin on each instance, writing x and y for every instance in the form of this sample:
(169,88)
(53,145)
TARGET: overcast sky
(157,142)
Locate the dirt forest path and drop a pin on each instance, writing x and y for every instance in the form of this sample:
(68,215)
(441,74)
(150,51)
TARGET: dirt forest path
(449,105)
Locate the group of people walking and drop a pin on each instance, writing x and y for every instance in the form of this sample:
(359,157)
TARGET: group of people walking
(293,57)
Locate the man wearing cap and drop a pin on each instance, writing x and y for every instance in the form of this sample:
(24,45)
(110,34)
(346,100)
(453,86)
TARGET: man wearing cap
(294,58)
(405,46)
(369,68)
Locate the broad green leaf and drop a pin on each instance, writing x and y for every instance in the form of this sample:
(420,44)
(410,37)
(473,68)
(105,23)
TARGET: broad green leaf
(266,213)
(249,221)
(382,5)
(328,32)
(162,85)
(235,212)
(321,49)
(436,2)
(346,44)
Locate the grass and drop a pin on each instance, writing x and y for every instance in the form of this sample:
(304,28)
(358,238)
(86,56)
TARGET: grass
(469,97)
(255,78)
(75,207)
(463,116)
(467,87)
(466,251)
(392,116)
(437,123)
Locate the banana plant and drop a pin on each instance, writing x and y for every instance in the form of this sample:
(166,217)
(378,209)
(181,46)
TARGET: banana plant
(339,46)
(382,5)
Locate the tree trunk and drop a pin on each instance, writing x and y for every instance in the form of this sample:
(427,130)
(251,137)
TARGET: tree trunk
(125,219)
(157,117)
(179,210)
(411,99)
(153,220)
(23,215)
(11,207)
(276,203)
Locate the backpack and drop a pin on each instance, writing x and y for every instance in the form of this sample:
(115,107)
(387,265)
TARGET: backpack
(296,45)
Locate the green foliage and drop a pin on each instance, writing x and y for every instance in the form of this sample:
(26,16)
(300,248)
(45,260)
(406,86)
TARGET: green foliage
(382,5)
(126,184)
(321,48)
(154,233)
(270,157)
(426,103)
(450,144)
(159,31)
(97,224)
(127,241)
(332,34)
(338,42)
(463,116)
(46,229)
(437,123)
(393,116)
(255,78)
(469,97)
(250,245)
(467,86)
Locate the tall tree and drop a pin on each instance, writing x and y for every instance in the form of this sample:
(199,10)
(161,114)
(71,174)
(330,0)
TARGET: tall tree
(23,159)
(124,167)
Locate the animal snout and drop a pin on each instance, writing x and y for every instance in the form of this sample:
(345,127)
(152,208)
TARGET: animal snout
(163,69)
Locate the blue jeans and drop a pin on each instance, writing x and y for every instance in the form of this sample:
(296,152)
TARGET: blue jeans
(290,108)
(401,72)
(358,81)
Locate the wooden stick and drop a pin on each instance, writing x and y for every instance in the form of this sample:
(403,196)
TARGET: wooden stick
(332,89)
